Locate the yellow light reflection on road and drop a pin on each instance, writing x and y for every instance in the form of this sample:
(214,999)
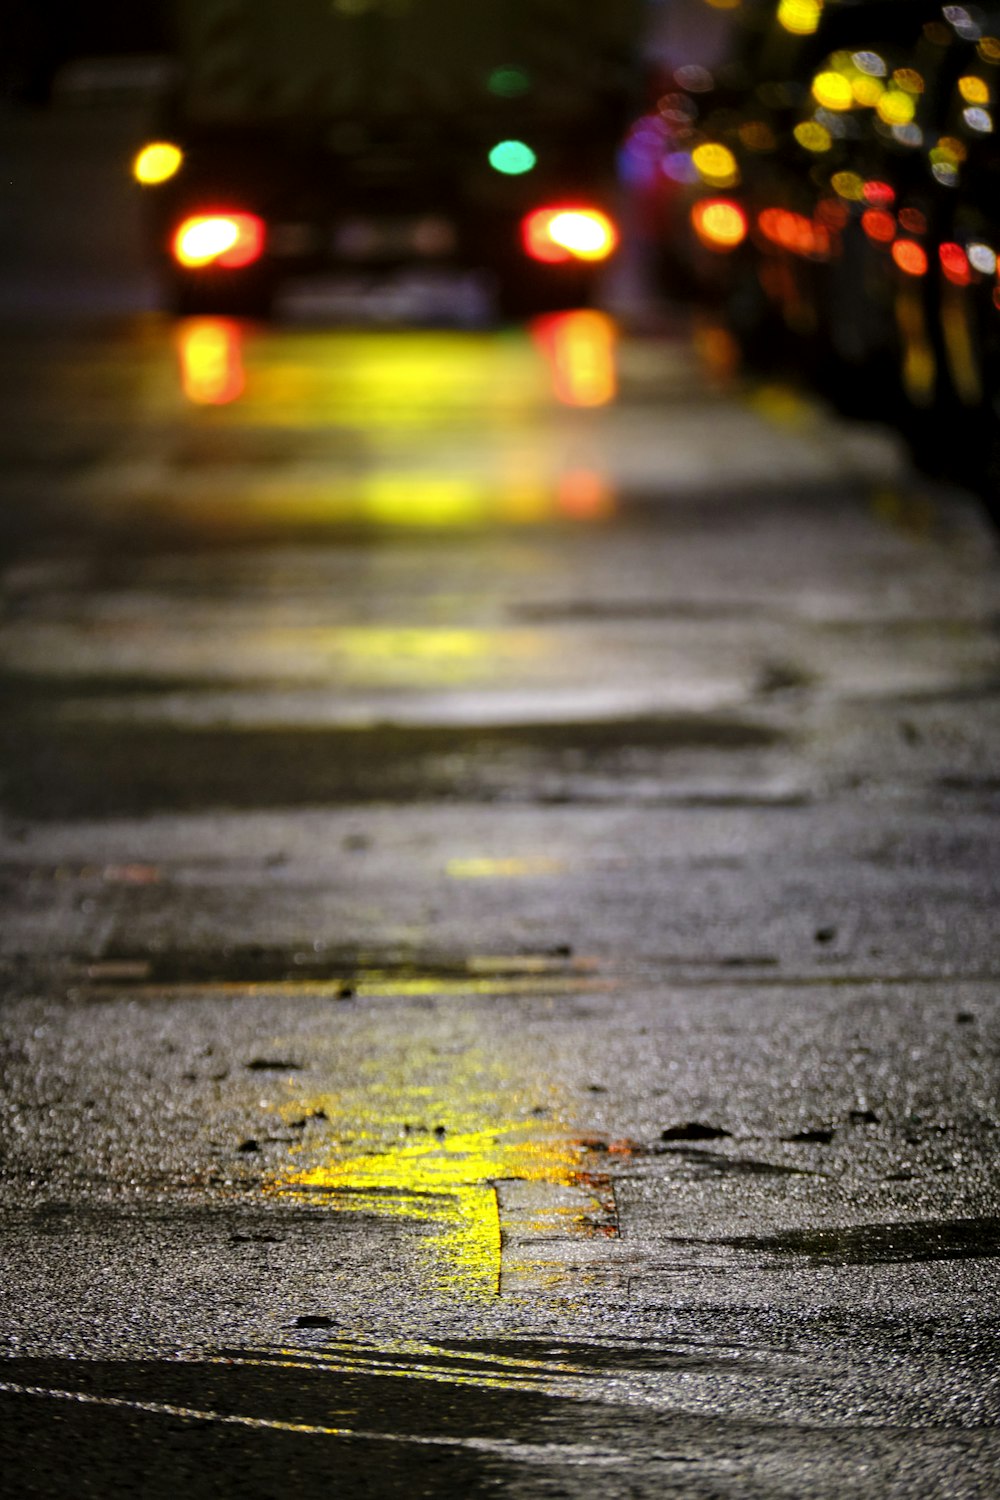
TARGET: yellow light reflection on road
(429,654)
(396,382)
(410,499)
(211,359)
(373,409)
(427,1137)
(503,869)
(580,349)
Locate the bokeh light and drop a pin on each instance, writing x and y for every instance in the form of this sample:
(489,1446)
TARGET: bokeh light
(513,158)
(157,162)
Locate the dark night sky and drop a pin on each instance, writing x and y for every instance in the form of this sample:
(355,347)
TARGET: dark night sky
(37,36)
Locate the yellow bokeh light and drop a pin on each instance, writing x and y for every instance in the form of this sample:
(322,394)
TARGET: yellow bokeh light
(833,91)
(896,107)
(848,185)
(715,164)
(867,91)
(813,136)
(157,162)
(800,17)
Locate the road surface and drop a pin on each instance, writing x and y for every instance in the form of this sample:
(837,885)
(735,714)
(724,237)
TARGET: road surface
(499,865)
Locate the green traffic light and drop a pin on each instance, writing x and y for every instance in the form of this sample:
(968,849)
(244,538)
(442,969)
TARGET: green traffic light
(512,158)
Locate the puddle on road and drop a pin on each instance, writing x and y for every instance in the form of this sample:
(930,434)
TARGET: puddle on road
(416,374)
(337,974)
(462,1416)
(387,392)
(124,768)
(478,1146)
(553,1367)
(874,1244)
(533,1365)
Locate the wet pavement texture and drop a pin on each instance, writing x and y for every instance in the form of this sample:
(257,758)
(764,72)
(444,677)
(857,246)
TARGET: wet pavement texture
(499,870)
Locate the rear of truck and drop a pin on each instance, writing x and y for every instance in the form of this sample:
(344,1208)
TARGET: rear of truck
(305,135)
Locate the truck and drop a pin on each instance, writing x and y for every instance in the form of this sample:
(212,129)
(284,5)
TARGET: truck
(301,136)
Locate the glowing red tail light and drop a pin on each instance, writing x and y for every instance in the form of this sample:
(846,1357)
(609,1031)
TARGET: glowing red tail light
(568,232)
(219,239)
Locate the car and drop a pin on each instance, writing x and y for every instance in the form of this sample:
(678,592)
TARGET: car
(372,135)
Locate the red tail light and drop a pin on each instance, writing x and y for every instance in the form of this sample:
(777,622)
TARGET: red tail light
(220,239)
(568,232)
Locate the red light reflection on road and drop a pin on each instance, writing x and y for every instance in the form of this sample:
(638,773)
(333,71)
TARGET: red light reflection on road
(211,359)
(585,495)
(580,350)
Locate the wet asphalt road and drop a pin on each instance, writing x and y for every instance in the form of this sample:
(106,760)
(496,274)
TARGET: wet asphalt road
(499,926)
(499,871)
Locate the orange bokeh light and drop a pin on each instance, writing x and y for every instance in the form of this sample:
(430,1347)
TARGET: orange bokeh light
(719,223)
(910,257)
(879,225)
(585,495)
